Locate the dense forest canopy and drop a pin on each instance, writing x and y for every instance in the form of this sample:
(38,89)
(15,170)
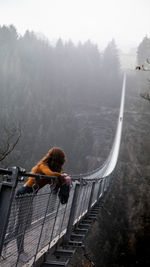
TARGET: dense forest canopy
(43,90)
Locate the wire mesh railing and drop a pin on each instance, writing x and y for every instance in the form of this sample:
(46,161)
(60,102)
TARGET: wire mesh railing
(35,222)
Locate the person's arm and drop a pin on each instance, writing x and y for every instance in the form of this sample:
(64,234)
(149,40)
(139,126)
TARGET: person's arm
(65,179)
(45,169)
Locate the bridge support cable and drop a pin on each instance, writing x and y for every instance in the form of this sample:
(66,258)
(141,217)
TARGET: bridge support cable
(41,221)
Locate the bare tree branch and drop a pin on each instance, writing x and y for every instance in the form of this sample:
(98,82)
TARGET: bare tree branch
(148,61)
(145,96)
(8,145)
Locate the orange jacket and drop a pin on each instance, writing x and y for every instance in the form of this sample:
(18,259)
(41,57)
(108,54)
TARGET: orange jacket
(44,170)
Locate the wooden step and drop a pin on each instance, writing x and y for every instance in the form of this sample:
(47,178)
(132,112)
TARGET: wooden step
(76,237)
(93,213)
(80,231)
(50,263)
(64,252)
(91,217)
(87,221)
(75,244)
(84,225)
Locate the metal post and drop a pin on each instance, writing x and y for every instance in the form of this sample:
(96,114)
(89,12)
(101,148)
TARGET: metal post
(72,212)
(48,201)
(6,199)
(91,196)
(99,190)
(103,186)
(61,226)
(107,182)
(51,236)
(109,179)
(82,200)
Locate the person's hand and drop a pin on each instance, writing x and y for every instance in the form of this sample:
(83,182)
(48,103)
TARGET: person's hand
(66,179)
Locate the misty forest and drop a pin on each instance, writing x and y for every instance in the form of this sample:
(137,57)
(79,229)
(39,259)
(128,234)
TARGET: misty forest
(68,95)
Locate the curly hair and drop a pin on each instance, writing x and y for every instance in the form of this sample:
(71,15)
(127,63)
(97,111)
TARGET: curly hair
(55,158)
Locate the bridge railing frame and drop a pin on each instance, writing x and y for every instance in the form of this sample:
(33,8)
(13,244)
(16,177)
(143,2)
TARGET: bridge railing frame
(87,192)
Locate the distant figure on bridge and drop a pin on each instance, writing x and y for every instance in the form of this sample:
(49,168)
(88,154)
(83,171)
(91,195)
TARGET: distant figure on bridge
(50,165)
(138,68)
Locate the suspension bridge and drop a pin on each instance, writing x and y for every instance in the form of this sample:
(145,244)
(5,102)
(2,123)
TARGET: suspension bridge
(52,232)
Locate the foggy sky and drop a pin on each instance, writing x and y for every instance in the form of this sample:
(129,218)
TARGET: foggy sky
(100,21)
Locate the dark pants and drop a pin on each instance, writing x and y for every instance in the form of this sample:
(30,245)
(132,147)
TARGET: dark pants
(24,207)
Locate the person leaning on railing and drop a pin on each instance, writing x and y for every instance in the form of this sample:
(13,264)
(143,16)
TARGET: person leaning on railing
(50,165)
